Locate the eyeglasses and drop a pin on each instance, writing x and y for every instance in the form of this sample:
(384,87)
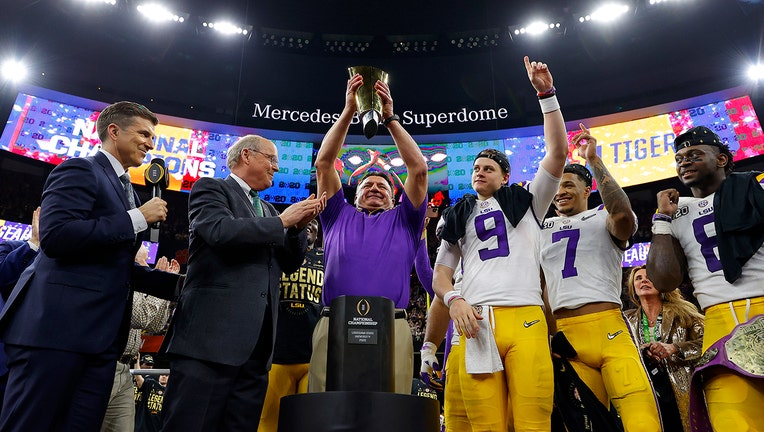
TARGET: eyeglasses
(689,157)
(273,158)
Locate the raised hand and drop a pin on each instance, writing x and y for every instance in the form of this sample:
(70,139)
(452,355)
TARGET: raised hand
(300,213)
(668,201)
(539,75)
(383,90)
(585,143)
(162,264)
(170,266)
(354,83)
(174,266)
(35,239)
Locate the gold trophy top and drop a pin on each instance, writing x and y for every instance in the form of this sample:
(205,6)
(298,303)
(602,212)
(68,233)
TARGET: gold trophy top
(369,103)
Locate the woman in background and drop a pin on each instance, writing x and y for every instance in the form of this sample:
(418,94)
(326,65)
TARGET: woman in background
(669,330)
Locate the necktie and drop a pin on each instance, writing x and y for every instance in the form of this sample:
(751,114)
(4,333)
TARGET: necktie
(256,202)
(125,179)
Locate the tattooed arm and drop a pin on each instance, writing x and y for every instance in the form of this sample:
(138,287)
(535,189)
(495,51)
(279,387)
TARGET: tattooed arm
(621,222)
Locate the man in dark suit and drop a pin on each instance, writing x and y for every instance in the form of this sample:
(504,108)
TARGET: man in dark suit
(222,336)
(66,320)
(15,256)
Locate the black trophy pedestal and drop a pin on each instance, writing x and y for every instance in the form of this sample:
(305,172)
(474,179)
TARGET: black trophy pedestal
(346,411)
(360,354)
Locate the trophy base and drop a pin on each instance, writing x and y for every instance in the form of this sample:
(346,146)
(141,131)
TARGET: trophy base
(371,121)
(358,411)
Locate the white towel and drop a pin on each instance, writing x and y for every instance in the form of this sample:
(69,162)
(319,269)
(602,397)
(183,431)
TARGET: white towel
(481,355)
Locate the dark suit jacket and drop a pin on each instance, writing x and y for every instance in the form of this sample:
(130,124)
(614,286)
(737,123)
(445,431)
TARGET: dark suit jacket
(234,268)
(15,256)
(77,296)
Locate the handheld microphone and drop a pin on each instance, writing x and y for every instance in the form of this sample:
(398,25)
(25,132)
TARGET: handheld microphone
(156,177)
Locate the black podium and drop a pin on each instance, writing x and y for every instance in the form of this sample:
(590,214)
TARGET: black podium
(359,378)
(361,347)
(346,411)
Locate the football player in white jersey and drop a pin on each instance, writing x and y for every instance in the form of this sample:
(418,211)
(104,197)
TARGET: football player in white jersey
(581,253)
(506,381)
(716,238)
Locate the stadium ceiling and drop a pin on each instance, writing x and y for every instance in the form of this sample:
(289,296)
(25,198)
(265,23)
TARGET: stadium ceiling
(442,55)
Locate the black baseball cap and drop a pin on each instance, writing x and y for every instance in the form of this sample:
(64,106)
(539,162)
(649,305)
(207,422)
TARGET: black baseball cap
(580,171)
(496,156)
(699,135)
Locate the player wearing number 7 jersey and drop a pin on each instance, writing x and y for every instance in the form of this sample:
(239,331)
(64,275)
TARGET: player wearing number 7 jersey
(581,252)
(716,237)
(505,373)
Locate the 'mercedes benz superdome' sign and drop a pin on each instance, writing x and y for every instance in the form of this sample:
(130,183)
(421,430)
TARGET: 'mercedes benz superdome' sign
(427,120)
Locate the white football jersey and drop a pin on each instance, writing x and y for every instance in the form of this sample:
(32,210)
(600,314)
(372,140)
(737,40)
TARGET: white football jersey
(580,259)
(500,262)
(693,226)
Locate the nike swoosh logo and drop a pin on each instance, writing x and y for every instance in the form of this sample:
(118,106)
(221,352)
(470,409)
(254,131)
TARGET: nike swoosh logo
(588,217)
(612,336)
(527,324)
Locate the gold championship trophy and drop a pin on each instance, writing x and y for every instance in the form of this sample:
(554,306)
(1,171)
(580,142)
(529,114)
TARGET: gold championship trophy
(369,102)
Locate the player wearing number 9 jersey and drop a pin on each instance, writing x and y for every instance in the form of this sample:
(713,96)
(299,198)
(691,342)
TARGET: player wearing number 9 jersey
(496,236)
(581,252)
(716,237)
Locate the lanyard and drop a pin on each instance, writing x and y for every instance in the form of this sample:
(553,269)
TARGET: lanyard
(647,335)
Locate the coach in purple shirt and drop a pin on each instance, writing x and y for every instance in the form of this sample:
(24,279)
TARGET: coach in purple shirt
(370,248)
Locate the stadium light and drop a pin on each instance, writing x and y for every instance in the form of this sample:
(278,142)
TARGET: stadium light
(108,2)
(228,28)
(606,13)
(536,28)
(756,72)
(13,70)
(157,13)
(655,2)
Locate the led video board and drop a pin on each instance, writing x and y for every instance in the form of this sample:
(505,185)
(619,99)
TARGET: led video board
(55,130)
(641,151)
(636,146)
(356,159)
(636,151)
(636,255)
(14,231)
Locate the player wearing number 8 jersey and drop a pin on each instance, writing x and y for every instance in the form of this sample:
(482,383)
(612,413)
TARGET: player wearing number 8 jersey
(581,252)
(505,373)
(716,237)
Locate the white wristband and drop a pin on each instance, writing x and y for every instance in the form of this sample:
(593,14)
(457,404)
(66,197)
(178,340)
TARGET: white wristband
(662,227)
(450,296)
(549,104)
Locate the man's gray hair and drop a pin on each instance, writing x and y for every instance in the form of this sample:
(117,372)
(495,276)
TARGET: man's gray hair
(251,142)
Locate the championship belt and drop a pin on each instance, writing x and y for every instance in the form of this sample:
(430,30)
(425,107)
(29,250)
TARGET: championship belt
(741,351)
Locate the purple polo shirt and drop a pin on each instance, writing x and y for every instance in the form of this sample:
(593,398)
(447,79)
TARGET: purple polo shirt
(370,255)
